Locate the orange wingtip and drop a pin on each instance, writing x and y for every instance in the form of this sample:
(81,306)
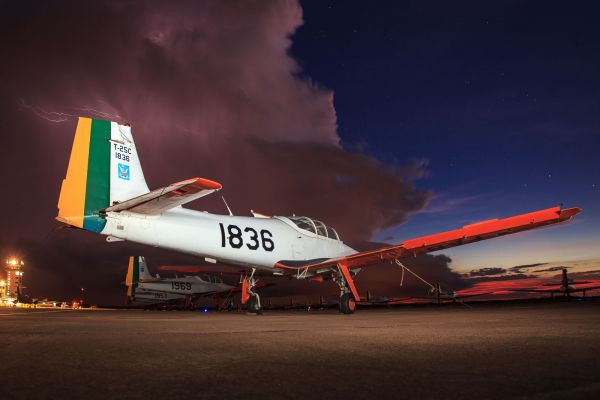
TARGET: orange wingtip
(569,213)
(201,183)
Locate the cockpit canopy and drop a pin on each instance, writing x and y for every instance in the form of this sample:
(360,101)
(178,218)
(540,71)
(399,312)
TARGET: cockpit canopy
(314,226)
(210,278)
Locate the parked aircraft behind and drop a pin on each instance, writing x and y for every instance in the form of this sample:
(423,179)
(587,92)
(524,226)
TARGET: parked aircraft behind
(105,191)
(565,287)
(145,289)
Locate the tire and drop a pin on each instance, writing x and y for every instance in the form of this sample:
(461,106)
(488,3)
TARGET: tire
(253,307)
(347,303)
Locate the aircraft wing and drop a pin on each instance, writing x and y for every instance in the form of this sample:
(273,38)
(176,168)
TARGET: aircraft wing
(220,269)
(570,283)
(580,289)
(410,248)
(532,290)
(160,200)
(197,269)
(466,296)
(227,292)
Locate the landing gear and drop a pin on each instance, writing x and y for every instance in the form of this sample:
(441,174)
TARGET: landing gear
(347,303)
(348,293)
(249,296)
(254,306)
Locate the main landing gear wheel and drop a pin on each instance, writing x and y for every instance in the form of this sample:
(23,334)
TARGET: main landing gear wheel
(254,306)
(347,303)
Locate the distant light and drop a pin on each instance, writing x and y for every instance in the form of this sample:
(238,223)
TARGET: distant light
(205,309)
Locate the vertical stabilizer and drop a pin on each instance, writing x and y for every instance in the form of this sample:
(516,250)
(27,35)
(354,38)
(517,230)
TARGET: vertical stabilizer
(565,278)
(144,273)
(133,277)
(104,168)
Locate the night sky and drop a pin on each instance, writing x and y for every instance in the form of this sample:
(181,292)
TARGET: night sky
(387,120)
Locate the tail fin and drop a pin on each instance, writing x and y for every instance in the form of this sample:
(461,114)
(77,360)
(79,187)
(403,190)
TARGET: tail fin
(143,268)
(137,271)
(104,168)
(133,277)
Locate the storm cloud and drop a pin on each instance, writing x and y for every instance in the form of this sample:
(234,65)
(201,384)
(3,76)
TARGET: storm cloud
(210,90)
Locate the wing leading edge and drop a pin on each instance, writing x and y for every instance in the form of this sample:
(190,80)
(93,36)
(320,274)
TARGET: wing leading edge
(439,241)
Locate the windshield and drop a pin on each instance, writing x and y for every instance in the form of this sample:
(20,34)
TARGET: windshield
(315,226)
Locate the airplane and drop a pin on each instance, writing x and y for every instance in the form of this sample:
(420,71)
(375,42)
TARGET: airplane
(451,295)
(145,289)
(434,293)
(566,286)
(104,191)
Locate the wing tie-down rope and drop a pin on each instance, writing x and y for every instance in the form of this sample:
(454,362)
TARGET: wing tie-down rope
(433,288)
(404,267)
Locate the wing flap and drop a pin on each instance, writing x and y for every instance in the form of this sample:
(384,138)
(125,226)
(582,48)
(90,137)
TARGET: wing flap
(174,195)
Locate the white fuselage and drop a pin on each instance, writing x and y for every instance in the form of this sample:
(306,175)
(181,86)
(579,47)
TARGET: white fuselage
(153,297)
(247,241)
(186,286)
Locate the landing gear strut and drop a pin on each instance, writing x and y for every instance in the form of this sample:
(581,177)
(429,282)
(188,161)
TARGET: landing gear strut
(348,293)
(249,295)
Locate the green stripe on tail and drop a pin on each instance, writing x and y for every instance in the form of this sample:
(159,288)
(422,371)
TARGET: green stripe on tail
(97,195)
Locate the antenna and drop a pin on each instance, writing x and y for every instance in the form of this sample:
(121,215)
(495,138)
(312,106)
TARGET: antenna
(228,209)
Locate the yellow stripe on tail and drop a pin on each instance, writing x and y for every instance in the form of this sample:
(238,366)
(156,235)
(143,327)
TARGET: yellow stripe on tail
(71,203)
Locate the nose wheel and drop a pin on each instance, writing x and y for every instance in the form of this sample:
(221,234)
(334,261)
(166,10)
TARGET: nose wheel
(254,306)
(249,295)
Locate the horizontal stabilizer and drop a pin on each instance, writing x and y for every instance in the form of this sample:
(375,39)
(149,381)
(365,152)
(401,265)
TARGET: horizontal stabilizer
(160,200)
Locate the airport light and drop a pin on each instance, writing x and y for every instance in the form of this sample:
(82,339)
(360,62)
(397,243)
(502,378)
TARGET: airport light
(14,277)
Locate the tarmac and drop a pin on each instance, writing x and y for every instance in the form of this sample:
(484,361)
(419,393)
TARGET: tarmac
(488,351)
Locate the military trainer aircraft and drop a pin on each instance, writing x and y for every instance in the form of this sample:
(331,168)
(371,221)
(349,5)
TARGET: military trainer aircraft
(565,287)
(104,191)
(145,289)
